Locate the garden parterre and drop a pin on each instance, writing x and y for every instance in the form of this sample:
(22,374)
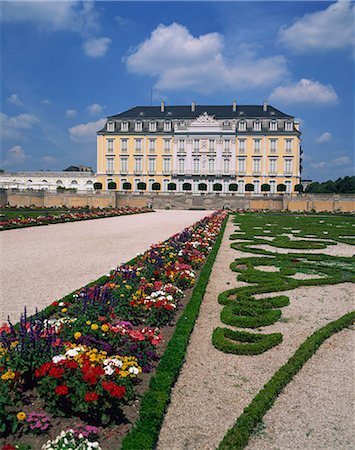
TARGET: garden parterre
(84,356)
(21,222)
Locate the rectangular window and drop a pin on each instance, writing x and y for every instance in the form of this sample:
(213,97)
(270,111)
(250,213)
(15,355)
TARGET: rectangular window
(288,145)
(256,166)
(167,145)
(272,166)
(196,145)
(241,166)
(109,165)
(138,126)
(138,145)
(227,145)
(109,143)
(124,166)
(288,166)
(181,165)
(211,166)
(273,145)
(181,145)
(256,145)
(273,125)
(138,165)
(211,145)
(196,165)
(124,126)
(242,126)
(152,126)
(288,126)
(257,126)
(152,143)
(226,166)
(124,145)
(272,187)
(167,126)
(110,126)
(151,166)
(166,166)
(241,145)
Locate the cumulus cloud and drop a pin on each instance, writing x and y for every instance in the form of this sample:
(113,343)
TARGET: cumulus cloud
(71,113)
(48,159)
(10,126)
(341,161)
(96,47)
(16,156)
(14,99)
(320,165)
(46,101)
(325,137)
(328,29)
(94,108)
(86,132)
(305,92)
(181,61)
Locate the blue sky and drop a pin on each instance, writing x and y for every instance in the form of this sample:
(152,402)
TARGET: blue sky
(68,65)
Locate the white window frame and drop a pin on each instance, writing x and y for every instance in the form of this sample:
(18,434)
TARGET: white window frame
(257,125)
(167,144)
(110,145)
(138,126)
(211,166)
(124,126)
(272,184)
(256,166)
(288,145)
(152,126)
(167,126)
(226,166)
(227,145)
(242,126)
(273,145)
(241,166)
(196,145)
(181,145)
(166,166)
(242,145)
(288,166)
(124,165)
(138,165)
(138,145)
(124,145)
(288,126)
(211,145)
(152,166)
(196,165)
(272,166)
(109,164)
(257,145)
(181,165)
(152,145)
(110,126)
(273,125)
(241,186)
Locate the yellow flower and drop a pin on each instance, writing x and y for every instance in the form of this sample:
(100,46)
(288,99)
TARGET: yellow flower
(94,326)
(9,375)
(21,416)
(122,295)
(88,322)
(64,310)
(104,328)
(14,344)
(77,335)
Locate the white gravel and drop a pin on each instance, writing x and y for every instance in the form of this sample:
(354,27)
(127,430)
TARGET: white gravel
(41,264)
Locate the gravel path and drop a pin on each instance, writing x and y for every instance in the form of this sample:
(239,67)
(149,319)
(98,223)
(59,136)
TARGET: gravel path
(214,387)
(42,264)
(316,410)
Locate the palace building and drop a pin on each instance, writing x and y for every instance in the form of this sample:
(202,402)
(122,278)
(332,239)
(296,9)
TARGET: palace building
(200,148)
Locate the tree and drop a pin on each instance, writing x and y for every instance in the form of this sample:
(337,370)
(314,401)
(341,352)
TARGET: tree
(298,188)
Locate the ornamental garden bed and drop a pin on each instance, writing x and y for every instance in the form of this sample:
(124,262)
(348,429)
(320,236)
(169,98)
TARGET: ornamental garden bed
(29,218)
(85,361)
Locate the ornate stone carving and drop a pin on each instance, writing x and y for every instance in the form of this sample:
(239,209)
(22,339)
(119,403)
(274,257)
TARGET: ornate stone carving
(205,119)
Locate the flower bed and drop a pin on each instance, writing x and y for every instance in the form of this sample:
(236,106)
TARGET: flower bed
(22,222)
(86,358)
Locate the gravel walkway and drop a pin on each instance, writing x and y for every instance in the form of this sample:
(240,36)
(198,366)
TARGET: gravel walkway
(214,387)
(42,264)
(317,408)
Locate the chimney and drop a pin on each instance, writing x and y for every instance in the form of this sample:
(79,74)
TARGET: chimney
(265,106)
(234,106)
(193,106)
(162,106)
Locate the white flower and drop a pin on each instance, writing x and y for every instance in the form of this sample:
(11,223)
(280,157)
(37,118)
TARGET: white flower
(58,358)
(109,370)
(133,370)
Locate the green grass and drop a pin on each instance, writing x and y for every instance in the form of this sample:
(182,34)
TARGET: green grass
(8,214)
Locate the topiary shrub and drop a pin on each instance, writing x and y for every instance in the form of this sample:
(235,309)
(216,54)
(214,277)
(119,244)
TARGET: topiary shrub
(233,187)
(249,187)
(156,186)
(186,187)
(171,187)
(112,185)
(217,187)
(98,186)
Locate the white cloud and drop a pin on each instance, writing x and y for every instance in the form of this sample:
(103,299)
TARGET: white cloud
(181,61)
(46,101)
(71,113)
(320,165)
(10,126)
(49,159)
(325,137)
(341,161)
(95,47)
(16,156)
(329,29)
(305,92)
(94,108)
(86,132)
(14,99)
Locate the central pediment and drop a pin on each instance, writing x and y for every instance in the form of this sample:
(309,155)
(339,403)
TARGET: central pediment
(206,120)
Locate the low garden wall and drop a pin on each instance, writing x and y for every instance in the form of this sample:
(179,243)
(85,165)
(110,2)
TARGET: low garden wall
(104,199)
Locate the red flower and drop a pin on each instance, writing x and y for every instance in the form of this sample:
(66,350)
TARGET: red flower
(8,447)
(56,372)
(71,364)
(91,397)
(62,390)
(42,371)
(55,303)
(113,389)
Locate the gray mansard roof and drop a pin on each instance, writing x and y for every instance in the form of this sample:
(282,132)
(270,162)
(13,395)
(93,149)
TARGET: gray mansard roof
(185,112)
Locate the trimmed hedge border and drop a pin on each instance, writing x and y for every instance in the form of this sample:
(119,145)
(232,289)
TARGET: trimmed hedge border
(145,433)
(238,436)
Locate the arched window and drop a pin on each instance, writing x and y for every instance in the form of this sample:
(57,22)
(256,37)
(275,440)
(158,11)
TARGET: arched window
(202,187)
(59,182)
(217,187)
(74,183)
(186,187)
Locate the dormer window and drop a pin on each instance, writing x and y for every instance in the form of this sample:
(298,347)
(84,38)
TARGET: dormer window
(226,123)
(152,126)
(273,125)
(138,126)
(124,126)
(181,123)
(167,126)
(257,126)
(242,126)
(110,126)
(288,126)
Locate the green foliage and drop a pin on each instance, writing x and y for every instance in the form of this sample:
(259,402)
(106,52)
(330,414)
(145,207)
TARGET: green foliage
(145,433)
(8,402)
(238,436)
(344,185)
